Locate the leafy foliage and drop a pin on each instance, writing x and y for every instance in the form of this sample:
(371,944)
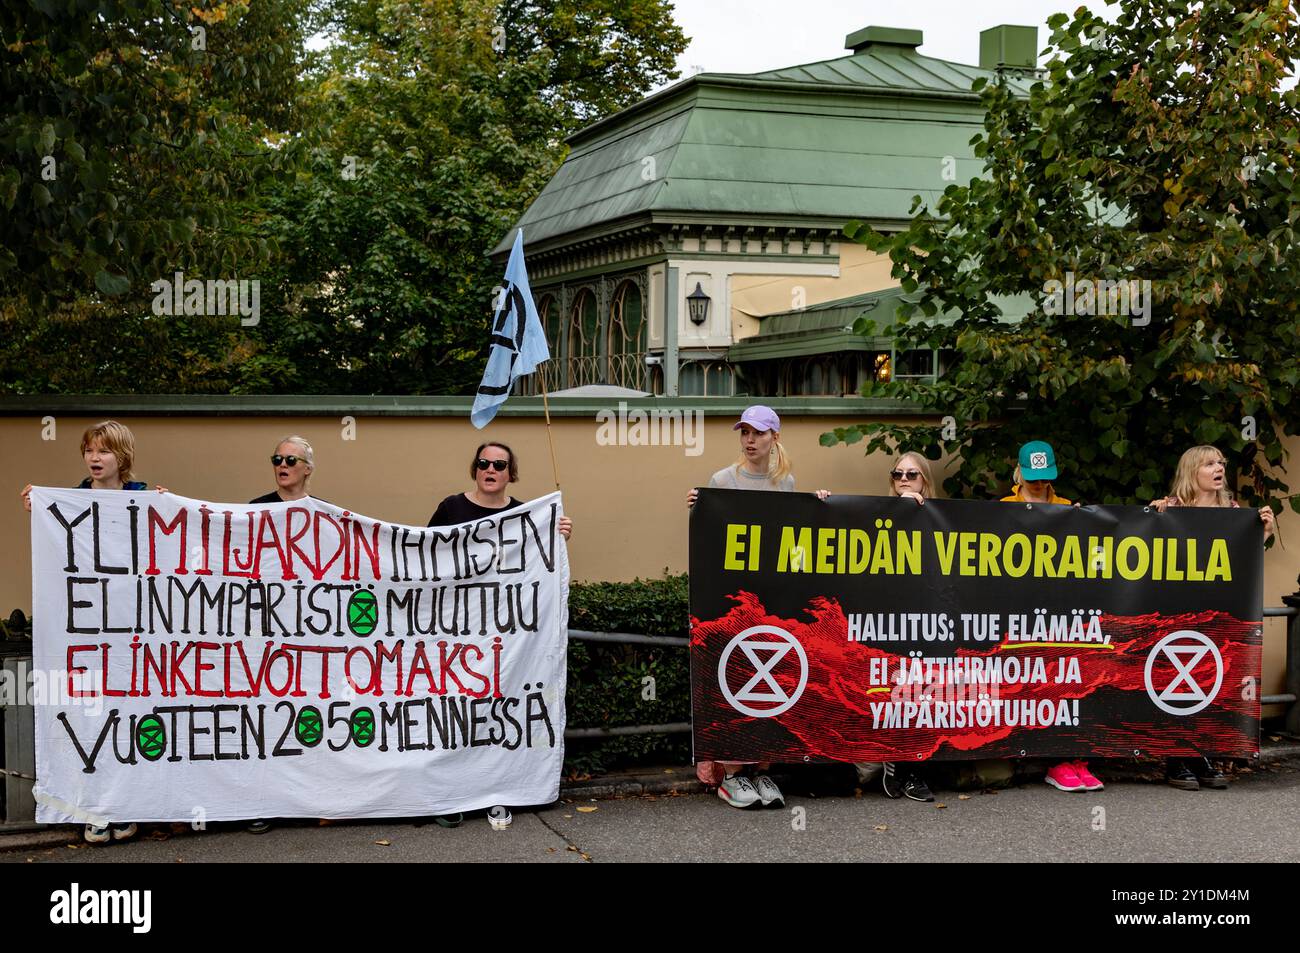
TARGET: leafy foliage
(1163,148)
(133,139)
(362,183)
(606,681)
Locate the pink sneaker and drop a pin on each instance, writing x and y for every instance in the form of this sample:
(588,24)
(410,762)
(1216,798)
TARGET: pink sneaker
(1090,781)
(1063,777)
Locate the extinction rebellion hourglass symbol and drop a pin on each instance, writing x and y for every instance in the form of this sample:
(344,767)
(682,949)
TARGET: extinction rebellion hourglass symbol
(1182,693)
(766,649)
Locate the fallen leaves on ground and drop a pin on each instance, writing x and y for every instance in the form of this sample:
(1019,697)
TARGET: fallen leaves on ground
(881,827)
(384,843)
(587,809)
(940,806)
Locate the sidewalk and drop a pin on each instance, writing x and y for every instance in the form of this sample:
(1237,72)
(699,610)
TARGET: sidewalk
(833,788)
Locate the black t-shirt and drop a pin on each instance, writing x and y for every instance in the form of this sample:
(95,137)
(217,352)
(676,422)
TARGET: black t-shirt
(274,497)
(458,508)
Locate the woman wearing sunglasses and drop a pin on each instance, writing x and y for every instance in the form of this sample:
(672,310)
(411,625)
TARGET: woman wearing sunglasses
(493,469)
(909,478)
(292,463)
(1201,480)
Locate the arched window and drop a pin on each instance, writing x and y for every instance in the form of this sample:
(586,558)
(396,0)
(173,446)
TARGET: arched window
(584,324)
(548,311)
(626,338)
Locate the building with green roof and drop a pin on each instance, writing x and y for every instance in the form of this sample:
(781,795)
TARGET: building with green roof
(691,244)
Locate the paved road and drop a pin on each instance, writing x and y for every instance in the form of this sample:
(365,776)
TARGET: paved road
(1253,821)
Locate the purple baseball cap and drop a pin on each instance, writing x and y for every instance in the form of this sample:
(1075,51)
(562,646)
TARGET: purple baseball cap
(760,418)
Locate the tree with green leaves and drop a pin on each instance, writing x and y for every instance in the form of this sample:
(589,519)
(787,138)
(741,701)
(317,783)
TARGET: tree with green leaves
(1162,148)
(433,126)
(134,137)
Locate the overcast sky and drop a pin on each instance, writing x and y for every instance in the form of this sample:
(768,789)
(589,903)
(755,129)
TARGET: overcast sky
(746,36)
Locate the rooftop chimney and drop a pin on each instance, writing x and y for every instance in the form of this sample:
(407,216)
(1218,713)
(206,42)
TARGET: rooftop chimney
(1009,46)
(882,36)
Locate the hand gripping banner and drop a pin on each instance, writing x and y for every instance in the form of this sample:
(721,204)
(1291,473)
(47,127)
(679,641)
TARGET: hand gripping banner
(874,629)
(216,661)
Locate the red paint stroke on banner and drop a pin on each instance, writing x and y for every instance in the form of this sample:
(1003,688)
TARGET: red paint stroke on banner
(832,718)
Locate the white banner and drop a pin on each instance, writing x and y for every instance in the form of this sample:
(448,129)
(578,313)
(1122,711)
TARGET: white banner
(214,661)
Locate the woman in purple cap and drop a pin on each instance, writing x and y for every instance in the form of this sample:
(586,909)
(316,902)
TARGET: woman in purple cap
(763,465)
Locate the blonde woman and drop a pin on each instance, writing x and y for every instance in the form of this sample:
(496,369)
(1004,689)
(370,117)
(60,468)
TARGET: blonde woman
(763,465)
(292,465)
(1201,480)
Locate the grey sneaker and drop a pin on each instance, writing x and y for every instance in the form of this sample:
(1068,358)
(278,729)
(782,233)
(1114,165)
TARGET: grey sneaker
(738,791)
(868,771)
(768,792)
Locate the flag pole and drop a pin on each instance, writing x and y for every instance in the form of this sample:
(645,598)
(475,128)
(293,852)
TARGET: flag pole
(550,438)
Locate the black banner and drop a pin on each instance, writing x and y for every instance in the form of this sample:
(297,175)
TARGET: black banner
(877,629)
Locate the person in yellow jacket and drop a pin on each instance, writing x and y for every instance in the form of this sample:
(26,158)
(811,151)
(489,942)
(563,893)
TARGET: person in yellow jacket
(1035,471)
(1034,475)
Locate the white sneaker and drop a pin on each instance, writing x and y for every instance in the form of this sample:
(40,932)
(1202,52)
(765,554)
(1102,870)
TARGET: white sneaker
(124,831)
(768,792)
(97,835)
(738,791)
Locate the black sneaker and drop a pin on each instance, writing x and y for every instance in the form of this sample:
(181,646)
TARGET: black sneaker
(1207,774)
(904,783)
(1178,775)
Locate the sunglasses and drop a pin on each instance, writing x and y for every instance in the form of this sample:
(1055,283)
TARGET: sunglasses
(290,460)
(497,465)
(897,475)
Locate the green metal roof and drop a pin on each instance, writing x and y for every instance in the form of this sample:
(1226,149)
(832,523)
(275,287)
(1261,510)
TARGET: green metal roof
(821,328)
(853,137)
(887,66)
(828,327)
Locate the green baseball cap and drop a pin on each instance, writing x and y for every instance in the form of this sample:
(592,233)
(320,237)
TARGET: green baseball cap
(1037,461)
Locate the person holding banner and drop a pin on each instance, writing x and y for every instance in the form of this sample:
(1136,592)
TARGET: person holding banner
(293,464)
(108,450)
(909,478)
(1201,480)
(1034,473)
(763,465)
(492,469)
(1033,476)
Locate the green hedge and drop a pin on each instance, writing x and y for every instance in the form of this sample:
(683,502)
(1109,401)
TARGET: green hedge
(606,681)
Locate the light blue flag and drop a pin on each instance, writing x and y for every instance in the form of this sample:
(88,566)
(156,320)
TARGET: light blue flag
(518,341)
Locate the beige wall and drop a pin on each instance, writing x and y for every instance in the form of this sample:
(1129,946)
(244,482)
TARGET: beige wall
(627,503)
